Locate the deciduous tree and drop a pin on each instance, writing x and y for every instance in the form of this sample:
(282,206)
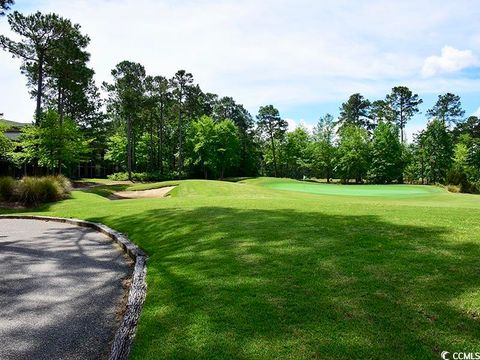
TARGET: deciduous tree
(437,144)
(386,154)
(352,153)
(53,144)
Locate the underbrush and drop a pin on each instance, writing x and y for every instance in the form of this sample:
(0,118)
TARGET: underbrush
(34,190)
(142,176)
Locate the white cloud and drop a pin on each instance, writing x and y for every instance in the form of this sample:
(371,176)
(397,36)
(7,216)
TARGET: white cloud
(477,113)
(451,60)
(293,124)
(282,52)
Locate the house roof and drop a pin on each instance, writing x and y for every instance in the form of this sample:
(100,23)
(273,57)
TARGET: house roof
(13,134)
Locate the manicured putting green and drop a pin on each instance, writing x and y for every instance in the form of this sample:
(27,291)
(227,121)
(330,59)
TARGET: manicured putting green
(356,190)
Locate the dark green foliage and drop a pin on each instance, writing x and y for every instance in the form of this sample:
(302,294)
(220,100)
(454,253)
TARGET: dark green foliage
(437,145)
(404,105)
(470,127)
(386,155)
(381,111)
(356,112)
(54,60)
(183,92)
(5,5)
(273,129)
(448,109)
(7,188)
(126,98)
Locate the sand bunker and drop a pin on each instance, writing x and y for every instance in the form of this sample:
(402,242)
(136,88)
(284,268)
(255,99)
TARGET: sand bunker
(142,194)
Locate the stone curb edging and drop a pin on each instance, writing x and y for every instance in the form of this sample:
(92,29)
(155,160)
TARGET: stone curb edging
(126,332)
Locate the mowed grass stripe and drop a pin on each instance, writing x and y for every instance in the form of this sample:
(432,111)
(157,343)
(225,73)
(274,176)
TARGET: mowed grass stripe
(356,190)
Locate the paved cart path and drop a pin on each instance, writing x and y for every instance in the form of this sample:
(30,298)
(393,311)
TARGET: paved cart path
(60,290)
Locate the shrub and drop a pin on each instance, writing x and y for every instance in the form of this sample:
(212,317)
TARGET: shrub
(64,184)
(35,190)
(7,188)
(453,188)
(141,176)
(475,187)
(29,191)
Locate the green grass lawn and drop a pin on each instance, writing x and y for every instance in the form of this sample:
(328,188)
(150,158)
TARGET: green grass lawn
(354,190)
(248,270)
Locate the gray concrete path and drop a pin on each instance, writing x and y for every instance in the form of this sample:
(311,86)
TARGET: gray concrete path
(60,290)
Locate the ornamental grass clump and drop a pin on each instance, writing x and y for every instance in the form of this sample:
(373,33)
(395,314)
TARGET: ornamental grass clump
(32,190)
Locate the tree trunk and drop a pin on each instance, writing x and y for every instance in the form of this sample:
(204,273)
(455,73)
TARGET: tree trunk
(161,139)
(60,118)
(180,145)
(401,124)
(151,153)
(129,149)
(38,111)
(274,157)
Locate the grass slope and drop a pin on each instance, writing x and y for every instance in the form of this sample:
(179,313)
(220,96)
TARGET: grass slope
(240,270)
(12,123)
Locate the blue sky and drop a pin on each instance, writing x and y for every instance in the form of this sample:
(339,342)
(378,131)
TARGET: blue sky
(305,57)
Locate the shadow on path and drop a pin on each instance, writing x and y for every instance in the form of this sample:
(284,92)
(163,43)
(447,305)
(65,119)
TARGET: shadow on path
(60,290)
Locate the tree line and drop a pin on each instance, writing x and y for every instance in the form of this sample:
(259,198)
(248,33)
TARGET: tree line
(151,126)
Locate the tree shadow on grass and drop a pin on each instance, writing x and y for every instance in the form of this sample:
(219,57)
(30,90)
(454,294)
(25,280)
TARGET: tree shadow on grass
(230,283)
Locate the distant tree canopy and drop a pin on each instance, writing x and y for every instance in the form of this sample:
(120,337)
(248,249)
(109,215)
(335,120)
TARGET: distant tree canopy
(154,127)
(386,155)
(5,5)
(54,60)
(356,111)
(404,105)
(273,128)
(448,109)
(55,144)
(6,145)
